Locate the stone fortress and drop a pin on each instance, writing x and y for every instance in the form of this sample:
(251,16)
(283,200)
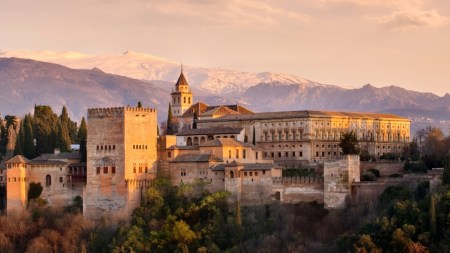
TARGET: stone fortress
(224,147)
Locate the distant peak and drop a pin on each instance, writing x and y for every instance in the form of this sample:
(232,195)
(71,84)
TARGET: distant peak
(97,69)
(367,86)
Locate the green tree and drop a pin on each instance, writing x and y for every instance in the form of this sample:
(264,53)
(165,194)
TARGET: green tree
(63,139)
(34,191)
(349,143)
(169,129)
(45,128)
(82,138)
(28,144)
(19,146)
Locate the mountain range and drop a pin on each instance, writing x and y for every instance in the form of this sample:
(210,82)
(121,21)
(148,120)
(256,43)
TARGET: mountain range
(115,80)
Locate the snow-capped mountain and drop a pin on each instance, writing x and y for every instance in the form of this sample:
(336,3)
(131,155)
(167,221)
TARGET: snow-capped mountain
(147,67)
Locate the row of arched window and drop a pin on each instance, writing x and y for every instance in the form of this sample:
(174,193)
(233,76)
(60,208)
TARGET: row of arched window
(140,168)
(106,147)
(185,100)
(140,147)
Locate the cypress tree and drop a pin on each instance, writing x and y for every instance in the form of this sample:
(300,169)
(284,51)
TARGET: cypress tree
(433,226)
(45,129)
(18,148)
(63,139)
(82,138)
(254,136)
(28,143)
(169,129)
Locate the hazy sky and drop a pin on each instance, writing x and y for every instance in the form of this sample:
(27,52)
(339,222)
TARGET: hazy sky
(343,42)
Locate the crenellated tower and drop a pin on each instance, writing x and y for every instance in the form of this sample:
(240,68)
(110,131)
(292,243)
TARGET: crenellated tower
(181,96)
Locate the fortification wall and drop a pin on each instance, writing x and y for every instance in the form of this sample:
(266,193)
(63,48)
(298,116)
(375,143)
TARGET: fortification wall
(385,168)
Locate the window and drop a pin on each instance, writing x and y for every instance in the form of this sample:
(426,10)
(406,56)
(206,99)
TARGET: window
(140,168)
(134,169)
(256,154)
(286,154)
(317,154)
(264,172)
(48,180)
(256,173)
(237,153)
(293,154)
(98,147)
(60,179)
(113,169)
(279,154)
(229,153)
(105,170)
(98,170)
(245,174)
(114,146)
(323,154)
(146,169)
(272,154)
(251,173)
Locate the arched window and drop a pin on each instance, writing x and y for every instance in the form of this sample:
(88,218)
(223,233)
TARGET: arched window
(48,180)
(195,140)
(189,100)
(202,140)
(184,100)
(189,141)
(231,174)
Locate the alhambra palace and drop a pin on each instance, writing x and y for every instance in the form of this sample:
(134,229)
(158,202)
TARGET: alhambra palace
(225,147)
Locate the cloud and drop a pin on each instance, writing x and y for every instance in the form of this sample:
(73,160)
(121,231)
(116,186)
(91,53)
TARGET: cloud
(229,12)
(412,19)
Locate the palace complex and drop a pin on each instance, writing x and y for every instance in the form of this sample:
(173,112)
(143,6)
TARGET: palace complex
(223,147)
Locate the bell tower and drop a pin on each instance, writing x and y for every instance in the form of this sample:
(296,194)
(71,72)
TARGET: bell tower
(181,96)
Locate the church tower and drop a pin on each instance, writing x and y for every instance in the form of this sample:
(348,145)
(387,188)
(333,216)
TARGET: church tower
(181,96)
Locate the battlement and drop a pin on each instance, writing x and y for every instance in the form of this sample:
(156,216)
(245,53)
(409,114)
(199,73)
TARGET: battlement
(116,111)
(139,109)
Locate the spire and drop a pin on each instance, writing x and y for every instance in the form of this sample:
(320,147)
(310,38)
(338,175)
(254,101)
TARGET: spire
(181,79)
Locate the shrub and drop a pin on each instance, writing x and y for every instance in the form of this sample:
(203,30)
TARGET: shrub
(415,167)
(375,172)
(368,176)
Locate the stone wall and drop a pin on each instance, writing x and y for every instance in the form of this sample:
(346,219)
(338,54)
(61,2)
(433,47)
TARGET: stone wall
(385,168)
(338,177)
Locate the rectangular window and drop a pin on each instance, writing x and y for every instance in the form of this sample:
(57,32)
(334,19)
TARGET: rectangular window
(256,173)
(301,153)
(244,155)
(272,154)
(279,154)
(169,154)
(105,170)
(264,172)
(140,168)
(60,179)
(134,169)
(98,170)
(229,153)
(113,169)
(245,174)
(293,154)
(146,169)
(323,154)
(251,173)
(286,154)
(317,154)
(237,153)
(256,154)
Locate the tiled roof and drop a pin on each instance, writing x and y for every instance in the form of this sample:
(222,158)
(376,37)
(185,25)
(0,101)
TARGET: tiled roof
(206,131)
(219,142)
(60,156)
(18,159)
(48,162)
(196,158)
(304,114)
(220,110)
(198,107)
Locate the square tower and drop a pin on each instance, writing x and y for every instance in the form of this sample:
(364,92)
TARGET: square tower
(121,160)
